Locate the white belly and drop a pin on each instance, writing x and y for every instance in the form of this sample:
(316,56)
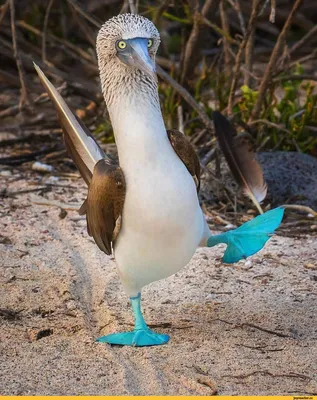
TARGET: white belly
(162,224)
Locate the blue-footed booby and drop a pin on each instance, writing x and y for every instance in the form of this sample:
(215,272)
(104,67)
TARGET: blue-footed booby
(146,209)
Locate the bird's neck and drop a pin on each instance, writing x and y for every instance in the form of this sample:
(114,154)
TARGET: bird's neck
(138,127)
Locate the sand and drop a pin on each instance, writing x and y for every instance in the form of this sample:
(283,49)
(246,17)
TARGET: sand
(244,329)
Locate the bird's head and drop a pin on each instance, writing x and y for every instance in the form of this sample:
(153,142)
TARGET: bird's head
(126,48)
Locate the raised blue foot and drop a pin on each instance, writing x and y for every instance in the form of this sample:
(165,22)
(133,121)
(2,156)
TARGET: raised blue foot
(141,335)
(250,237)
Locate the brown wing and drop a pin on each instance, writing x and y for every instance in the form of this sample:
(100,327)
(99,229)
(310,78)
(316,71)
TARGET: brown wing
(186,153)
(106,185)
(104,204)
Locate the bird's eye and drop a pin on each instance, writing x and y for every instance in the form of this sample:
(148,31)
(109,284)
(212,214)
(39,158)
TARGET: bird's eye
(149,43)
(122,44)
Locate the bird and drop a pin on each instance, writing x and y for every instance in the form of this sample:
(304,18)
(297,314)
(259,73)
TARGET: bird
(144,209)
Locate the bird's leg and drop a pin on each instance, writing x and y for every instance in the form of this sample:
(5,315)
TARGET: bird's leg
(141,335)
(139,323)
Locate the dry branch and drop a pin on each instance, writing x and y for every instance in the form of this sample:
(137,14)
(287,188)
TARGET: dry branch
(25,98)
(55,203)
(77,50)
(47,14)
(312,33)
(249,54)
(270,67)
(273,11)
(3,10)
(237,7)
(88,17)
(186,96)
(191,55)
(133,9)
(226,28)
(254,14)
(305,209)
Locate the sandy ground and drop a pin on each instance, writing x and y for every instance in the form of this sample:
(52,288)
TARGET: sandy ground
(245,329)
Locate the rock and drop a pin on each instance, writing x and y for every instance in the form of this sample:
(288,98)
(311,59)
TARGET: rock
(5,172)
(291,177)
(40,167)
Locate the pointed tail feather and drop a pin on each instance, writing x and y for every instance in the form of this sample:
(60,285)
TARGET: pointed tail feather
(81,146)
(240,158)
(250,237)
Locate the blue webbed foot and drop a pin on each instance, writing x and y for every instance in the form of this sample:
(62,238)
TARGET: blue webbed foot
(141,335)
(250,237)
(138,338)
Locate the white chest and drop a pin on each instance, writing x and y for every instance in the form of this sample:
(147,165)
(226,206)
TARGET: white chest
(162,223)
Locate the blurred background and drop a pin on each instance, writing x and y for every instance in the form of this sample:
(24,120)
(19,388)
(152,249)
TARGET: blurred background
(253,60)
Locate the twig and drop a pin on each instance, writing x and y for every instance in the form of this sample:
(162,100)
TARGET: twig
(209,383)
(249,55)
(22,158)
(85,28)
(18,192)
(159,11)
(264,7)
(218,30)
(55,203)
(263,349)
(180,118)
(273,59)
(191,55)
(273,11)
(225,27)
(186,96)
(220,220)
(254,14)
(187,61)
(263,329)
(28,136)
(209,157)
(132,7)
(280,127)
(166,63)
(86,88)
(82,53)
(191,44)
(15,109)
(3,10)
(196,138)
(237,7)
(311,33)
(306,209)
(249,59)
(84,14)
(300,77)
(266,372)
(47,14)
(8,78)
(25,98)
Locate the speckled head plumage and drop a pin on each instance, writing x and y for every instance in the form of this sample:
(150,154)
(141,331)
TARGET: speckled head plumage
(116,76)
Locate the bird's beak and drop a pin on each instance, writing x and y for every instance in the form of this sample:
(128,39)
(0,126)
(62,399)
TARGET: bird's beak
(137,54)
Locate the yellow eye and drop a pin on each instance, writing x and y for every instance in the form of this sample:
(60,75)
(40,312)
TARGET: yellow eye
(149,43)
(122,44)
